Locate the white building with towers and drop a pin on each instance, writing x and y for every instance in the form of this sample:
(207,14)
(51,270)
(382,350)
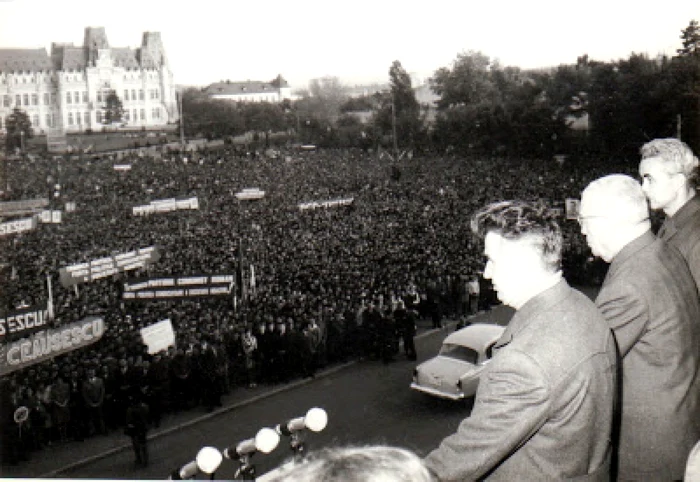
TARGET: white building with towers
(67,90)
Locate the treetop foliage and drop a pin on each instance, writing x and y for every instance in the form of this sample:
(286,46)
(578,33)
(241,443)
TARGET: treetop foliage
(587,108)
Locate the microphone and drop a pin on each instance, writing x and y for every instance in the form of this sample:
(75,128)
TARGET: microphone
(207,461)
(187,471)
(265,441)
(315,420)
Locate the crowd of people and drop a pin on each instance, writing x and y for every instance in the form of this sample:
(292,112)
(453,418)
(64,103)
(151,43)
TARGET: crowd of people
(330,283)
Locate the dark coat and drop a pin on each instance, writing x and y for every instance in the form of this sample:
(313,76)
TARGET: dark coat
(650,300)
(682,231)
(544,406)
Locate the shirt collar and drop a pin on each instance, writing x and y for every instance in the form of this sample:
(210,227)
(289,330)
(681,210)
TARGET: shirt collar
(541,302)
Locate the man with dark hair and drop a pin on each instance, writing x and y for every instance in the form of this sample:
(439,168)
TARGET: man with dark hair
(669,172)
(544,406)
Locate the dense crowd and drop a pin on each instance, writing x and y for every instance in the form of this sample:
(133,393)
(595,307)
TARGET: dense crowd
(330,283)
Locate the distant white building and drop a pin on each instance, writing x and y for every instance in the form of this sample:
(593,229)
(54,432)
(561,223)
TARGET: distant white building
(274,91)
(68,89)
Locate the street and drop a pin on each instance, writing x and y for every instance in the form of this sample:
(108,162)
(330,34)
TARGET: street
(367,403)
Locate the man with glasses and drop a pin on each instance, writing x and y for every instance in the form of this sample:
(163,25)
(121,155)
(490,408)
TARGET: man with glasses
(669,173)
(650,300)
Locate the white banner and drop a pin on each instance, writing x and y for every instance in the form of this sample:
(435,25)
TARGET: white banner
(103,267)
(158,336)
(165,206)
(326,204)
(49,343)
(17,226)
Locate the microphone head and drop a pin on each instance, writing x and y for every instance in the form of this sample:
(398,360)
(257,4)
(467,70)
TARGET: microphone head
(316,419)
(209,459)
(266,440)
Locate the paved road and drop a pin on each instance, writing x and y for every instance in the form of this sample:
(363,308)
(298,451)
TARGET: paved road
(366,402)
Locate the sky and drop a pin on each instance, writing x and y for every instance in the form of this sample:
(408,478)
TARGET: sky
(212,40)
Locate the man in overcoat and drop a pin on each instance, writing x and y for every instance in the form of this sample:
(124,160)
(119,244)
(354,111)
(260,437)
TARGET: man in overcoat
(650,300)
(544,406)
(669,173)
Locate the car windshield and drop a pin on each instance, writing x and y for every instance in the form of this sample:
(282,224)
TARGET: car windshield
(459,352)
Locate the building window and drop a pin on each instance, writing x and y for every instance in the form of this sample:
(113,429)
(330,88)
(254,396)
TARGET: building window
(141,94)
(87,118)
(99,96)
(46,98)
(143,114)
(53,98)
(98,116)
(48,121)
(6,101)
(68,98)
(85,97)
(126,94)
(35,99)
(70,118)
(133,94)
(18,100)
(35,120)
(126,115)
(26,99)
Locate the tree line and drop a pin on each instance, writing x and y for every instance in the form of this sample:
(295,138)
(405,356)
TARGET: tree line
(589,108)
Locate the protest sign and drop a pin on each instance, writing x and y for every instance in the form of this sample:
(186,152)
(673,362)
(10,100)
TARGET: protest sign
(17,226)
(179,287)
(20,323)
(158,336)
(326,204)
(49,343)
(104,267)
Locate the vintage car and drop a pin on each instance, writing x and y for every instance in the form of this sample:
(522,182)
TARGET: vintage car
(454,372)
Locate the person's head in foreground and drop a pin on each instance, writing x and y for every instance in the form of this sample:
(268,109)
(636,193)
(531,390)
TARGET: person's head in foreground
(356,464)
(613,213)
(522,245)
(669,172)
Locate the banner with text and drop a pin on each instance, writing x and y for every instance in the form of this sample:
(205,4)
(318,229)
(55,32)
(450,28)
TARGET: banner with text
(179,287)
(166,206)
(19,208)
(49,343)
(22,322)
(17,226)
(326,204)
(104,267)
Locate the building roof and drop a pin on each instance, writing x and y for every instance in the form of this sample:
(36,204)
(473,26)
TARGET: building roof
(72,58)
(67,56)
(125,57)
(24,60)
